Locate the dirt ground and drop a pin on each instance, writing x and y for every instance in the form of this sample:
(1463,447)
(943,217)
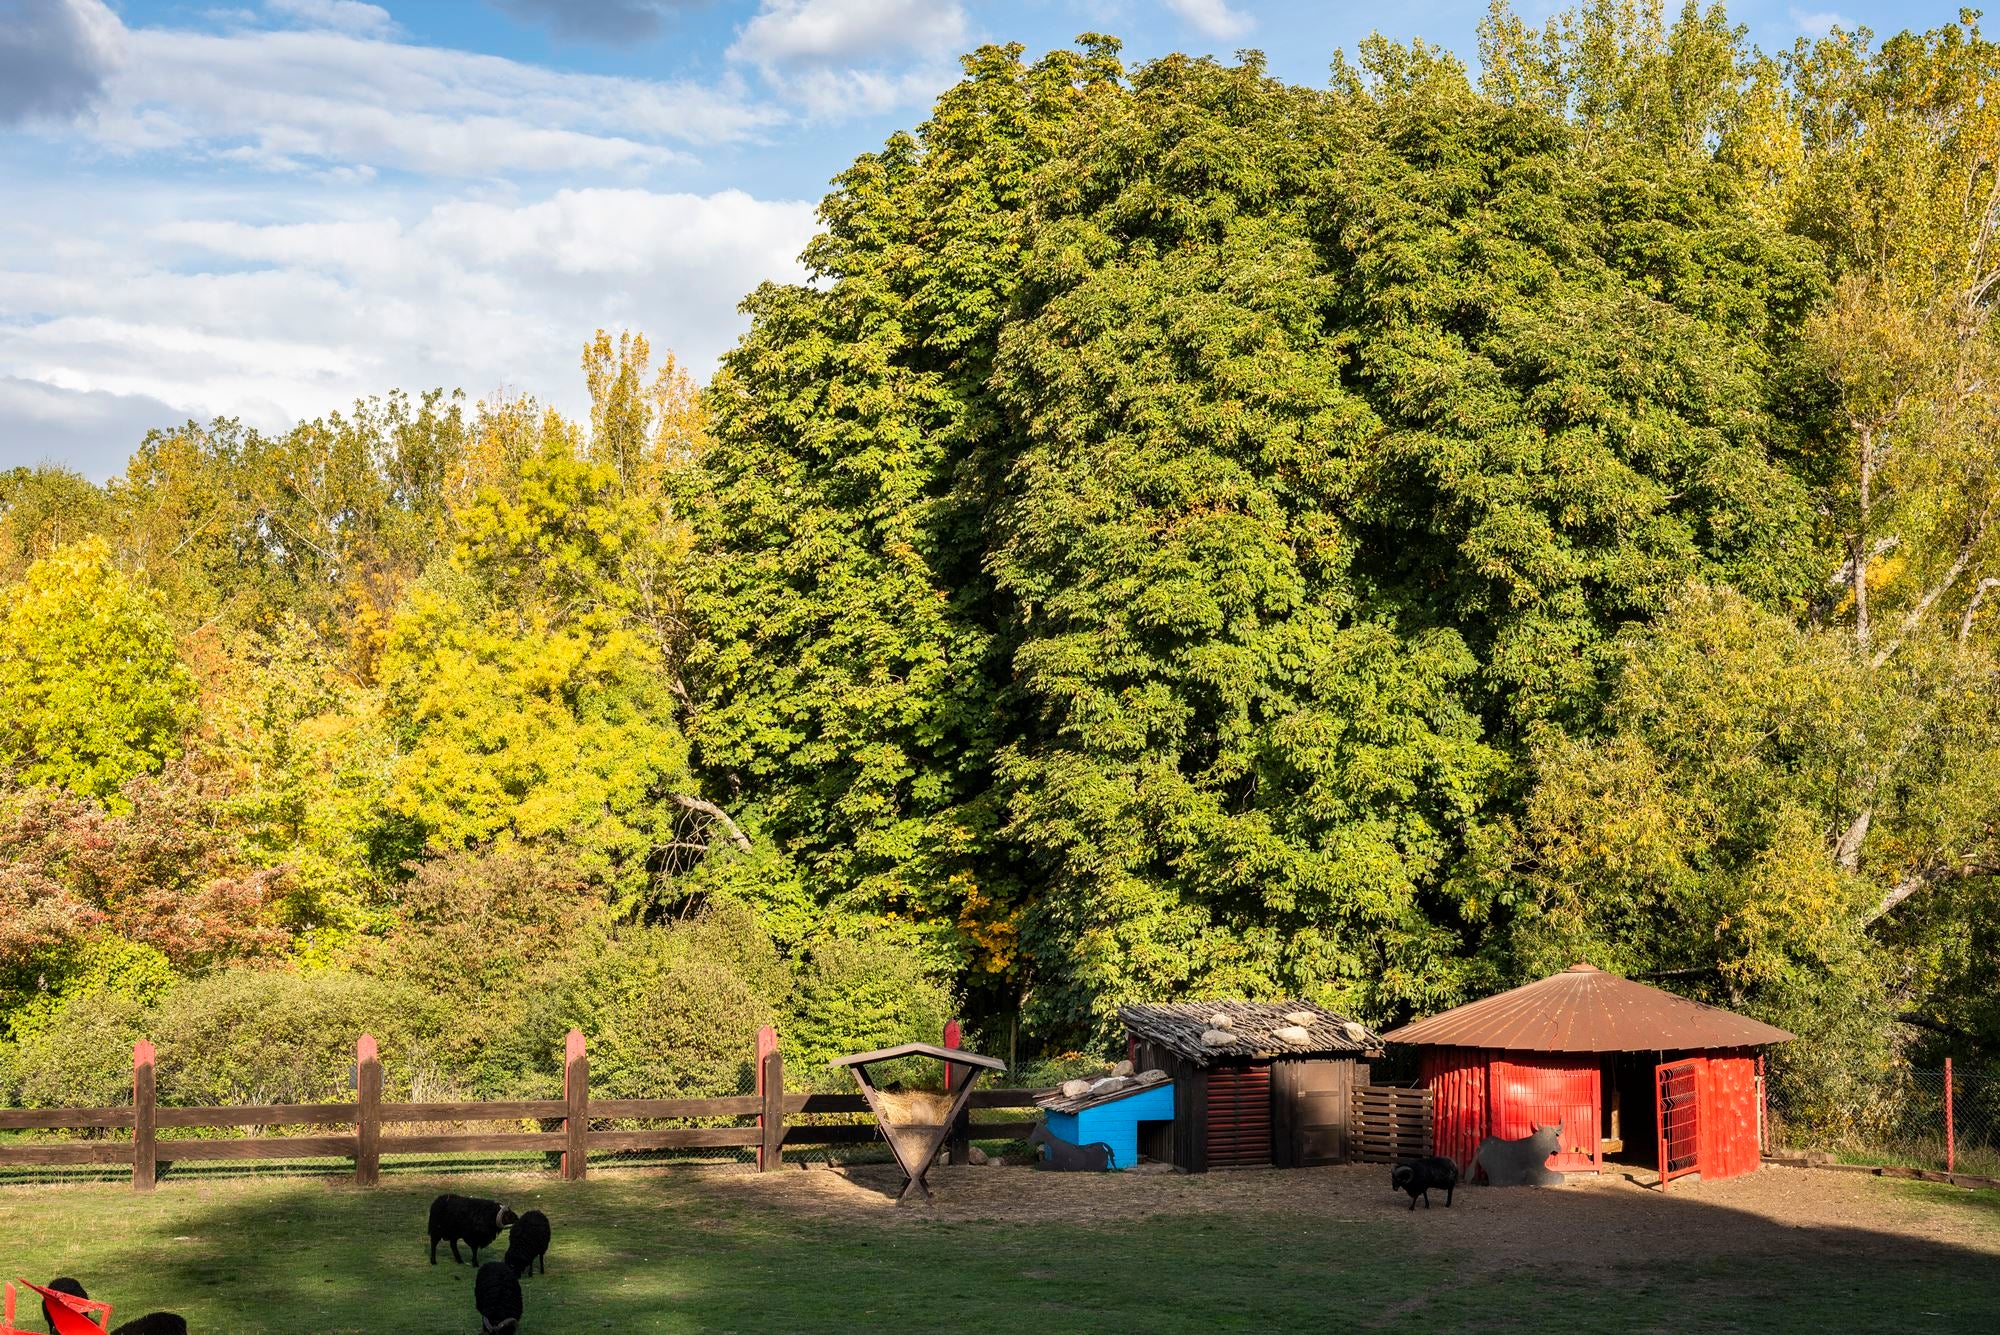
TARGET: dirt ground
(1591,1220)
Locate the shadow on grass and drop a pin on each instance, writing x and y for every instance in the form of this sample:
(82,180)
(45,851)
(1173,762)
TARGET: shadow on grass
(695,1251)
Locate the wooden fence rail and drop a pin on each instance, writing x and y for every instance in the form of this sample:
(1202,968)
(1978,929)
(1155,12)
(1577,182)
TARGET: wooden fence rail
(1390,1124)
(773,1124)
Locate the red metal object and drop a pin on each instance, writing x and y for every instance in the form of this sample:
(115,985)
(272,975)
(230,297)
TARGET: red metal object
(1677,1089)
(1456,1078)
(1529,1091)
(951,1040)
(70,1314)
(1239,1115)
(1950,1133)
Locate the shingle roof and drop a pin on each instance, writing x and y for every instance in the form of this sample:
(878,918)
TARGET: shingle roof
(1179,1027)
(1587,1010)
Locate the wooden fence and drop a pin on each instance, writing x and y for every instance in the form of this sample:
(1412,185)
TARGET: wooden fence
(767,1117)
(1390,1124)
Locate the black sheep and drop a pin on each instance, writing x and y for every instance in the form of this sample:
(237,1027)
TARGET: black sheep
(155,1323)
(496,1292)
(1419,1175)
(61,1284)
(467,1219)
(527,1242)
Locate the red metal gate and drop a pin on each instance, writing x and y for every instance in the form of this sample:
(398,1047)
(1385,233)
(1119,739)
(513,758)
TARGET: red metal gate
(1239,1115)
(1678,1086)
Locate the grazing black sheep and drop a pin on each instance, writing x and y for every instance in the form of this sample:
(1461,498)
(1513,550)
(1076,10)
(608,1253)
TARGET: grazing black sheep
(155,1323)
(467,1219)
(61,1284)
(496,1292)
(528,1242)
(1418,1176)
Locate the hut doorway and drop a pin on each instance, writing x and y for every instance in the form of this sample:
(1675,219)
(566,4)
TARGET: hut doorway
(1631,1138)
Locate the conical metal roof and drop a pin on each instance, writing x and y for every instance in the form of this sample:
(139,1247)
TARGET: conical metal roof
(1587,1010)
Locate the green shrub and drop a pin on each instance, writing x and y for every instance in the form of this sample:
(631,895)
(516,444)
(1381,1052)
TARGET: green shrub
(868,988)
(251,1036)
(662,1018)
(80,1057)
(81,973)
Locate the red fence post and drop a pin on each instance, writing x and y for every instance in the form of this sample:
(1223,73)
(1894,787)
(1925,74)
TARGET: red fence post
(767,1043)
(576,1115)
(960,1143)
(145,1162)
(1950,1133)
(367,1112)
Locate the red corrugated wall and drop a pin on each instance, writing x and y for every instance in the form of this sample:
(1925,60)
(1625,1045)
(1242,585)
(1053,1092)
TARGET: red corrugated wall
(1533,1090)
(1457,1081)
(1728,1141)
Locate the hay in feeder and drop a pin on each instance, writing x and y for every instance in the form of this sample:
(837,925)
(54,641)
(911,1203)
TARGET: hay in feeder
(913,1107)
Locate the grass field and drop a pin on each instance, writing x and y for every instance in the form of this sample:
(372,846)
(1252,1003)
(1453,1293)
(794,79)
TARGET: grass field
(693,1251)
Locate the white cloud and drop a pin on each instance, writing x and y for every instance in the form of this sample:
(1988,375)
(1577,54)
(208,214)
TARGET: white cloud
(1820,23)
(841,58)
(325,99)
(54,57)
(339,15)
(1212,17)
(274,322)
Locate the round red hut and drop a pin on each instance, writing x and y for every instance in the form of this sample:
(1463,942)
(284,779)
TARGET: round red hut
(1635,1075)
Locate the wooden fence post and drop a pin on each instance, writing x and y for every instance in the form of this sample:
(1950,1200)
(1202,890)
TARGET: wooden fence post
(145,1162)
(961,1130)
(576,1114)
(767,1043)
(1950,1132)
(367,1112)
(771,1152)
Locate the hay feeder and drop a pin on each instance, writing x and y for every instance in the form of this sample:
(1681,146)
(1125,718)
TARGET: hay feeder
(916,1123)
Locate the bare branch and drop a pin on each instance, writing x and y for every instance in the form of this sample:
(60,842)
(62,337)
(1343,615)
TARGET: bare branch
(1972,607)
(1847,849)
(714,813)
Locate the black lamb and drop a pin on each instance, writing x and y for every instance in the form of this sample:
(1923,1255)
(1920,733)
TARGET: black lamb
(155,1323)
(529,1242)
(1418,1176)
(466,1219)
(61,1284)
(496,1292)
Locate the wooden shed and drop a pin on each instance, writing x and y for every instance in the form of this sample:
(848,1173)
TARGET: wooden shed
(1634,1075)
(1258,1100)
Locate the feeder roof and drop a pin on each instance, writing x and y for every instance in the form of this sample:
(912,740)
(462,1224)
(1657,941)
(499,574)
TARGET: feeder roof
(958,1056)
(1584,1009)
(1179,1027)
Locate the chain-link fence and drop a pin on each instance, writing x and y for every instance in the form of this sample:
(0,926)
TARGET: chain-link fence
(1936,1119)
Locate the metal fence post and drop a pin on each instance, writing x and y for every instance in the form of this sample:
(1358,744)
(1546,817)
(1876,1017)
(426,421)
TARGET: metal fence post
(367,1112)
(960,1143)
(576,1115)
(1950,1133)
(145,1162)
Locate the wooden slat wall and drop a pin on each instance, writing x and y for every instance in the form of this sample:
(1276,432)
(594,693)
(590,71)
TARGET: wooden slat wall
(1390,1124)
(1239,1115)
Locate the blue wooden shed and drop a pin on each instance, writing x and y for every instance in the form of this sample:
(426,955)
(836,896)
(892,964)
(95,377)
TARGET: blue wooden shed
(1113,1115)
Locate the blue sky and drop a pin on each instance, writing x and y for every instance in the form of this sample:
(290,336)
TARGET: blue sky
(266,208)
